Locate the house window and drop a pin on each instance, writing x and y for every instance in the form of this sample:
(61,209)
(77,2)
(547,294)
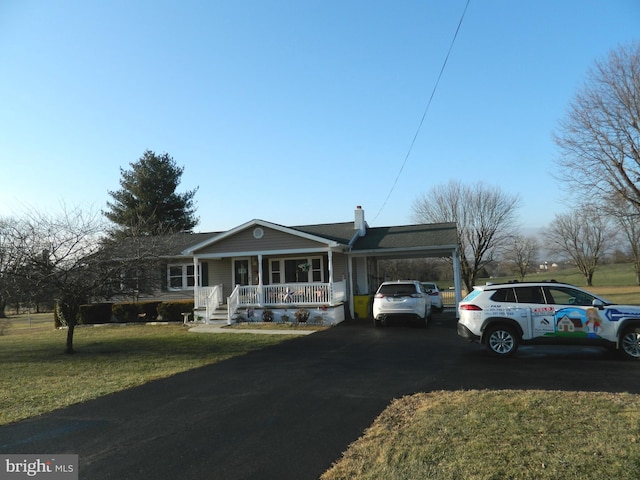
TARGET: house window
(275,272)
(181,277)
(316,269)
(296,270)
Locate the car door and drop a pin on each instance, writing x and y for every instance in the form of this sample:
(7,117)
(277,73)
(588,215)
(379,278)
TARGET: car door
(575,316)
(533,309)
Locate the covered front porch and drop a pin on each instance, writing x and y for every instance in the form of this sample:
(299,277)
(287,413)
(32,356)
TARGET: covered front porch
(280,299)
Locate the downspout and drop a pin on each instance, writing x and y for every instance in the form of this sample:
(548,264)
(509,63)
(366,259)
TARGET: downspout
(457,279)
(260,284)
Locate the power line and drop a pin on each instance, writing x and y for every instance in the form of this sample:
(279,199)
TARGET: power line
(433,92)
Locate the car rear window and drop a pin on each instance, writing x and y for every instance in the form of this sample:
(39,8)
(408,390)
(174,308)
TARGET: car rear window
(398,289)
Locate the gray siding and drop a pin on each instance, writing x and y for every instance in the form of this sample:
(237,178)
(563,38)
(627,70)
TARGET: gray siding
(244,241)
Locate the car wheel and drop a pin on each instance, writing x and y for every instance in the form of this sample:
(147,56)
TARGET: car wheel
(501,341)
(630,343)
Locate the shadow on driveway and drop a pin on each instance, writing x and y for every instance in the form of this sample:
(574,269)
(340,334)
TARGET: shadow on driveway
(290,410)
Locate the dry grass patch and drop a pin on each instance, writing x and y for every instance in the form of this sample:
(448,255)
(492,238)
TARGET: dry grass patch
(498,435)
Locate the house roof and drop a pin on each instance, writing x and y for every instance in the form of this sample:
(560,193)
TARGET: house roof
(338,232)
(436,239)
(166,246)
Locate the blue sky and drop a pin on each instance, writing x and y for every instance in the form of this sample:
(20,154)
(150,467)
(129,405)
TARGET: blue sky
(294,111)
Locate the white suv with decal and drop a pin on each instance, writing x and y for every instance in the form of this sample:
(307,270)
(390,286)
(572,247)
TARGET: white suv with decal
(503,316)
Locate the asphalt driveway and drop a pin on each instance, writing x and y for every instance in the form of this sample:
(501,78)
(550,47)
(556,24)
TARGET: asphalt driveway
(289,411)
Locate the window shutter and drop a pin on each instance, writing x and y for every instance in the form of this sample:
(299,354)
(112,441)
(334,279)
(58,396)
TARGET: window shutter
(204,269)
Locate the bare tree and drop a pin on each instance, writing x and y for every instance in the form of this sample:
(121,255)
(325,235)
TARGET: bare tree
(58,253)
(599,139)
(521,254)
(484,216)
(627,218)
(584,236)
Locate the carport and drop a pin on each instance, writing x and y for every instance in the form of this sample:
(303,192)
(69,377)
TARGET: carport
(435,240)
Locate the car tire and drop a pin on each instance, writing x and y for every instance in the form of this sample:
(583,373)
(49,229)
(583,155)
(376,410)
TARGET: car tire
(630,343)
(501,341)
(425,321)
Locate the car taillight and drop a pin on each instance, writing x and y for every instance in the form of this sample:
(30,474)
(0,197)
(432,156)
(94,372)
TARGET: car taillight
(470,307)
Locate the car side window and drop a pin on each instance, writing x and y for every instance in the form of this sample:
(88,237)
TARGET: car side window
(504,295)
(569,296)
(529,295)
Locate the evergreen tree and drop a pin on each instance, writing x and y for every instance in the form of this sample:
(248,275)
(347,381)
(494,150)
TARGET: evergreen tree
(147,203)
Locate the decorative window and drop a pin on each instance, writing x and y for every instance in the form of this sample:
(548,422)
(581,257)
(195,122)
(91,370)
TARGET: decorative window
(181,276)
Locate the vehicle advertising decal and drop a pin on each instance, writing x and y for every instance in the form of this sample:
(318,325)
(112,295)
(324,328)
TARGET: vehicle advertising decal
(614,315)
(578,322)
(543,322)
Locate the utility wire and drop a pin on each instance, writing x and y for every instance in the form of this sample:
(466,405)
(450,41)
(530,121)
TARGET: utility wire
(433,92)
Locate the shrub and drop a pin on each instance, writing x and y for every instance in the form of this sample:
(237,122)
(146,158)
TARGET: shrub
(172,311)
(95,313)
(267,316)
(302,315)
(148,311)
(126,312)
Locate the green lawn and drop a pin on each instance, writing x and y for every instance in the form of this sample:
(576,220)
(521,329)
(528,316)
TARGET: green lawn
(38,377)
(499,435)
(465,435)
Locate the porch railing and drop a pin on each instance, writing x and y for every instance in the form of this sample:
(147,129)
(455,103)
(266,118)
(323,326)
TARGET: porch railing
(298,294)
(209,298)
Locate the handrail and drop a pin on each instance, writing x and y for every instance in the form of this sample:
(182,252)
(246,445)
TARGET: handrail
(213,300)
(232,303)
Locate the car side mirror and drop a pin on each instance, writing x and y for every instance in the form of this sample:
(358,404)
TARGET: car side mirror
(599,304)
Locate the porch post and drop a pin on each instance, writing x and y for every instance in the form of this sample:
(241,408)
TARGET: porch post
(260,285)
(350,273)
(330,256)
(197,283)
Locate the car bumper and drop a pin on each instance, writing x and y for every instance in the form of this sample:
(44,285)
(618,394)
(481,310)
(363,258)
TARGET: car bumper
(464,332)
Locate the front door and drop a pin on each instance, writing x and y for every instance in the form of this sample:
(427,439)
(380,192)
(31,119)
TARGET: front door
(241,273)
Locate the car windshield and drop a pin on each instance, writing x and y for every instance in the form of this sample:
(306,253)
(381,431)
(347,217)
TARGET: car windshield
(398,289)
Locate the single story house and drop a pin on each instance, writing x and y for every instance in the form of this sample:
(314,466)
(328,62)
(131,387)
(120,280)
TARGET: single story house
(312,271)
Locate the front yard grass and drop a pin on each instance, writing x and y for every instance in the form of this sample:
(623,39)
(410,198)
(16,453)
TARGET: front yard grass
(37,377)
(498,435)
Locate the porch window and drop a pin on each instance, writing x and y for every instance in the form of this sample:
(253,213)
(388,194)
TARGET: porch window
(296,270)
(180,276)
(316,269)
(275,272)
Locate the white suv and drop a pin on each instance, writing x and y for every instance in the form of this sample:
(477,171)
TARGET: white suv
(402,298)
(503,316)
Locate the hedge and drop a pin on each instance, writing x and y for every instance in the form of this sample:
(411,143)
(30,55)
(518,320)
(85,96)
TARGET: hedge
(172,311)
(95,313)
(127,312)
